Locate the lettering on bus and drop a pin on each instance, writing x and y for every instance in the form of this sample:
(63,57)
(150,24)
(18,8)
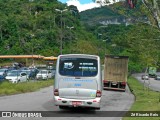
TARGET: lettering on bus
(87,67)
(74,80)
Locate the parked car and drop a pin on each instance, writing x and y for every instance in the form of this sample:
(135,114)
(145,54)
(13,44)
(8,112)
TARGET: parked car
(44,74)
(3,71)
(28,72)
(11,68)
(24,68)
(35,70)
(157,77)
(2,78)
(31,74)
(53,73)
(145,77)
(52,69)
(16,76)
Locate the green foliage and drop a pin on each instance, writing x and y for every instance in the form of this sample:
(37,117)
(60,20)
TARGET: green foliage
(97,14)
(146,100)
(139,40)
(7,88)
(34,27)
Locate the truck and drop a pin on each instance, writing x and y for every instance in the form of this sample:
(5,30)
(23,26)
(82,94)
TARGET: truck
(152,72)
(115,72)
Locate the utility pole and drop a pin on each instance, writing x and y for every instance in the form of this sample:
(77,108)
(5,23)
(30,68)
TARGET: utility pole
(61,35)
(70,28)
(32,35)
(99,40)
(105,45)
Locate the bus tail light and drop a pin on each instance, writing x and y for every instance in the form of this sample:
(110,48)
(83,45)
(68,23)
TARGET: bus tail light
(99,93)
(56,93)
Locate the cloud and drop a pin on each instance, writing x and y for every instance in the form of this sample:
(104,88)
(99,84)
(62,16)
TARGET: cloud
(82,7)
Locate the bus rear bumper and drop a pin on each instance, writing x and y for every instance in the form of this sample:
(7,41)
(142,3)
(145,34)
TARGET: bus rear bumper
(91,103)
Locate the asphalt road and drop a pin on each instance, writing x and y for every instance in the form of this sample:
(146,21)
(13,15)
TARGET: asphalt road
(42,100)
(151,83)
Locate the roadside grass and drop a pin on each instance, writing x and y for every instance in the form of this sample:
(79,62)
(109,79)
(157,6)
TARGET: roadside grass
(146,100)
(7,88)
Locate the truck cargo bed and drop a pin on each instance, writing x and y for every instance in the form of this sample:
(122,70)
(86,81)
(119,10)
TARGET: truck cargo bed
(115,72)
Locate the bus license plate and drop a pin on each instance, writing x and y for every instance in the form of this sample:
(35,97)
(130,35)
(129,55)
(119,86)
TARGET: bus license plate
(114,83)
(76,103)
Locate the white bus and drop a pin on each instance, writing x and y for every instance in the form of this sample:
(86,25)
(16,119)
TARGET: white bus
(78,81)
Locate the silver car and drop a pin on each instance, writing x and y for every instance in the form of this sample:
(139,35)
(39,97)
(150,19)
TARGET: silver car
(157,77)
(78,81)
(145,77)
(44,74)
(16,76)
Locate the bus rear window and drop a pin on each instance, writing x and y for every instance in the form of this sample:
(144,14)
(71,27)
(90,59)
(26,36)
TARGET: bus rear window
(78,67)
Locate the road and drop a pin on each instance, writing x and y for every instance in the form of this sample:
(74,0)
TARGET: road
(151,83)
(42,101)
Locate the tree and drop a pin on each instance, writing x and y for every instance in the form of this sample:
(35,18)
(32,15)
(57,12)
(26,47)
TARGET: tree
(152,5)
(74,11)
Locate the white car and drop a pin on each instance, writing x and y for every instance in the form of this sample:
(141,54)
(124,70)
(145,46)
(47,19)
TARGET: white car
(44,74)
(145,77)
(16,76)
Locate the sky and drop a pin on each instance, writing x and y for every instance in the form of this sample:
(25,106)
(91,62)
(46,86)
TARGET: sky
(81,4)
(81,1)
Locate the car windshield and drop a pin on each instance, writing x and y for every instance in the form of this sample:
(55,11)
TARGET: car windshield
(43,72)
(78,67)
(26,71)
(2,70)
(14,73)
